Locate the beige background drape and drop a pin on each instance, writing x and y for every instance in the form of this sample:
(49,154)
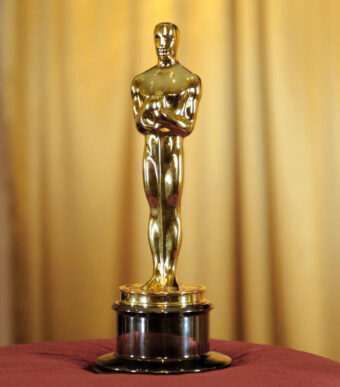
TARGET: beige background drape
(262,189)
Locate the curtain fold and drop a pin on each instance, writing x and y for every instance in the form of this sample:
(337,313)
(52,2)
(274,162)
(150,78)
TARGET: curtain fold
(261,225)
(6,319)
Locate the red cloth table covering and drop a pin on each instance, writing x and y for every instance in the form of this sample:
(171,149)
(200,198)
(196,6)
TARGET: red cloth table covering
(68,363)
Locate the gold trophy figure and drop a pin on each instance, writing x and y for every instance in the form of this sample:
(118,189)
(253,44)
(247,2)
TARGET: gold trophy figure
(163,327)
(165,100)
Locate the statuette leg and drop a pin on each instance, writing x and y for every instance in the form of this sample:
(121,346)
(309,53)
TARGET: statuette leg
(163,172)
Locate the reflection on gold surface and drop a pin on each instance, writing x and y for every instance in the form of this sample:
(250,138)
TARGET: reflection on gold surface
(165,100)
(136,294)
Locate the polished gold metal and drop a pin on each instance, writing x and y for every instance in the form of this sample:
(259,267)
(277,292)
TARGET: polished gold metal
(187,295)
(165,100)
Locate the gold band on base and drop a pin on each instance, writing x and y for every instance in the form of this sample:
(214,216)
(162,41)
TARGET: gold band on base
(186,295)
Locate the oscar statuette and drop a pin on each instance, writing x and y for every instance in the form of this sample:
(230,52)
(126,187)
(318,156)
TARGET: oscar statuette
(163,326)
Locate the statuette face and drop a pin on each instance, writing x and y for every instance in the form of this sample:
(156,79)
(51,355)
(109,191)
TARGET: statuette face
(165,100)
(166,41)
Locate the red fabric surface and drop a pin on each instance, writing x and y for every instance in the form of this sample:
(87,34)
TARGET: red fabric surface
(69,363)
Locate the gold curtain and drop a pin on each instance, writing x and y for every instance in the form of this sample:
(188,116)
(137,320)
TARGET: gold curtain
(262,190)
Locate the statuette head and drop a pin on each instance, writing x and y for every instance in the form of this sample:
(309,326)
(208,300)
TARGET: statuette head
(166,42)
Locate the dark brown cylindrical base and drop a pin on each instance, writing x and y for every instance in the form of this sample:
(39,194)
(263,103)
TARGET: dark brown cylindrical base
(158,340)
(180,334)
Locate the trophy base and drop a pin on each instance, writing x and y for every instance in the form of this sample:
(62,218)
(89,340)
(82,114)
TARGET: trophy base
(112,362)
(162,333)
